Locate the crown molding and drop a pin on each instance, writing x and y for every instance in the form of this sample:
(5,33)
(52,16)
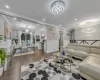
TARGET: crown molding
(11,14)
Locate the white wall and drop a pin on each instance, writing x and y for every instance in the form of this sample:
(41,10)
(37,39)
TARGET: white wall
(14,34)
(52,46)
(5,44)
(66,38)
(52,33)
(52,42)
(80,35)
(1,25)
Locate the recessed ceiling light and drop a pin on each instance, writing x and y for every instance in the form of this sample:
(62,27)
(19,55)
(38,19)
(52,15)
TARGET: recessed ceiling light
(43,19)
(7,6)
(16,24)
(60,25)
(15,18)
(75,19)
(38,24)
(27,30)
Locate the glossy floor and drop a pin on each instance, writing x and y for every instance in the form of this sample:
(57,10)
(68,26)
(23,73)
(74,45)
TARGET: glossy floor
(14,70)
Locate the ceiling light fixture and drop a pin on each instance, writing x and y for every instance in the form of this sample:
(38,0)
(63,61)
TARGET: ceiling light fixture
(75,19)
(7,6)
(57,7)
(43,19)
(88,30)
(88,21)
(60,25)
(15,18)
(27,30)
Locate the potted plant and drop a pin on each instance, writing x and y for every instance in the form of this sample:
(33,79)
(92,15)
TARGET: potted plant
(1,37)
(3,57)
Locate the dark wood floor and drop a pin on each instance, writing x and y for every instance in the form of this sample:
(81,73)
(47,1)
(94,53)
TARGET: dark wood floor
(14,70)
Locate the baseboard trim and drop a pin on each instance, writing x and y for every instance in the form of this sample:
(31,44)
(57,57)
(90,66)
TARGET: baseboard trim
(21,54)
(52,52)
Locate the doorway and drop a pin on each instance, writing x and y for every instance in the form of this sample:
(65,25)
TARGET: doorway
(60,40)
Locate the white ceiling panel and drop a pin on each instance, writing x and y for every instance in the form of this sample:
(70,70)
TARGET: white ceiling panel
(39,9)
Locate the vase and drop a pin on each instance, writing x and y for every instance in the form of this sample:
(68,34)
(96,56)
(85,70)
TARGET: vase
(1,71)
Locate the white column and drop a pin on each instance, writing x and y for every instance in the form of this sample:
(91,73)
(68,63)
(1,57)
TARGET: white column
(31,38)
(65,38)
(19,37)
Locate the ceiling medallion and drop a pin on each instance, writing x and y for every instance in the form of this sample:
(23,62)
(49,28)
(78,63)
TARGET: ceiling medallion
(57,7)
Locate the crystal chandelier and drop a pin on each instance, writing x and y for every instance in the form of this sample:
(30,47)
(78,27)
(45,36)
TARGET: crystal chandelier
(57,7)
